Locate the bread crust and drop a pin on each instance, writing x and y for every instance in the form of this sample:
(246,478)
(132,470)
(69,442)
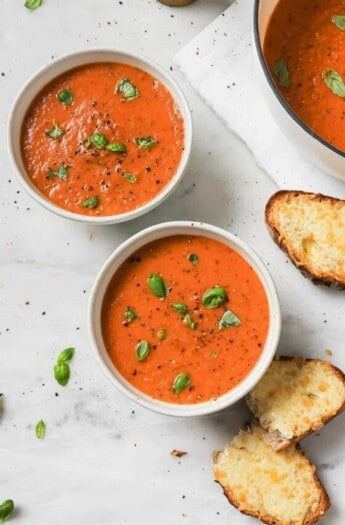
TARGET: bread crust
(282,195)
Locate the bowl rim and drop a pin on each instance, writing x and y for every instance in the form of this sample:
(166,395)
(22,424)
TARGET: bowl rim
(276,91)
(109,268)
(167,80)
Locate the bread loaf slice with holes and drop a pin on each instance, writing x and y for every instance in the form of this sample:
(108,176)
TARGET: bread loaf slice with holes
(311,229)
(278,488)
(295,397)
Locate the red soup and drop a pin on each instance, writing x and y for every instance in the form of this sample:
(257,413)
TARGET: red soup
(185,319)
(102,139)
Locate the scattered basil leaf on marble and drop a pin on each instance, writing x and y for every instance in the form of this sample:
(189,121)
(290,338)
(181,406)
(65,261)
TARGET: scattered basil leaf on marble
(214,297)
(91,202)
(188,320)
(99,140)
(161,334)
(157,285)
(33,4)
(40,429)
(116,147)
(334,82)
(145,142)
(65,97)
(61,369)
(55,132)
(339,21)
(180,308)
(142,350)
(193,258)
(127,89)
(130,314)
(6,509)
(129,177)
(61,172)
(228,319)
(281,71)
(66,355)
(181,382)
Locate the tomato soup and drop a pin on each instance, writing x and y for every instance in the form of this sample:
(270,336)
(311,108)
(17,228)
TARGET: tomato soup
(305,49)
(102,139)
(185,319)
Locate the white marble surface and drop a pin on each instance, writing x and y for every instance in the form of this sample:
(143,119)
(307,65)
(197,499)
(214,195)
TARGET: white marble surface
(104,459)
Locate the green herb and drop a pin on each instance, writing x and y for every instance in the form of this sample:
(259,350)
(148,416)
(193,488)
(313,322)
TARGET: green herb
(281,71)
(130,177)
(130,314)
(180,308)
(66,355)
(33,4)
(65,97)
(228,319)
(91,202)
(334,82)
(214,354)
(40,429)
(61,369)
(161,334)
(55,132)
(99,140)
(142,350)
(61,172)
(157,285)
(188,320)
(116,147)
(193,258)
(145,142)
(127,89)
(214,297)
(339,21)
(6,509)
(181,382)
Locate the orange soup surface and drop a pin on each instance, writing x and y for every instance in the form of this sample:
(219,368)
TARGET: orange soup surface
(305,49)
(185,319)
(102,139)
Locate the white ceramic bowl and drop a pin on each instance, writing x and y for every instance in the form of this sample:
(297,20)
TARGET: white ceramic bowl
(310,145)
(47,73)
(122,253)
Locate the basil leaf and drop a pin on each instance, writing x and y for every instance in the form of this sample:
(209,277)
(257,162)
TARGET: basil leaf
(130,177)
(66,355)
(181,382)
(99,140)
(40,429)
(339,21)
(91,202)
(6,509)
(161,334)
(180,308)
(214,297)
(228,319)
(33,4)
(281,71)
(334,82)
(157,285)
(61,172)
(55,132)
(142,350)
(193,258)
(127,89)
(188,320)
(116,147)
(145,142)
(62,373)
(130,314)
(65,97)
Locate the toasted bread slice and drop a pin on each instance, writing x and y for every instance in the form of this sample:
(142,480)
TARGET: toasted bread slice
(311,229)
(279,488)
(295,397)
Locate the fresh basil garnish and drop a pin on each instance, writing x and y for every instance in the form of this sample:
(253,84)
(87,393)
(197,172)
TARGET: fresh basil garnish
(339,21)
(180,308)
(66,355)
(127,89)
(130,314)
(65,97)
(142,350)
(130,177)
(40,429)
(33,4)
(99,140)
(145,142)
(157,285)
(214,297)
(61,369)
(161,334)
(188,320)
(61,172)
(281,71)
(181,382)
(193,258)
(55,132)
(6,509)
(116,147)
(91,202)
(228,319)
(334,82)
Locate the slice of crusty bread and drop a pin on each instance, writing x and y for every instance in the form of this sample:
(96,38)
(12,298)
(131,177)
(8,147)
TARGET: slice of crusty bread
(295,397)
(311,229)
(279,488)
